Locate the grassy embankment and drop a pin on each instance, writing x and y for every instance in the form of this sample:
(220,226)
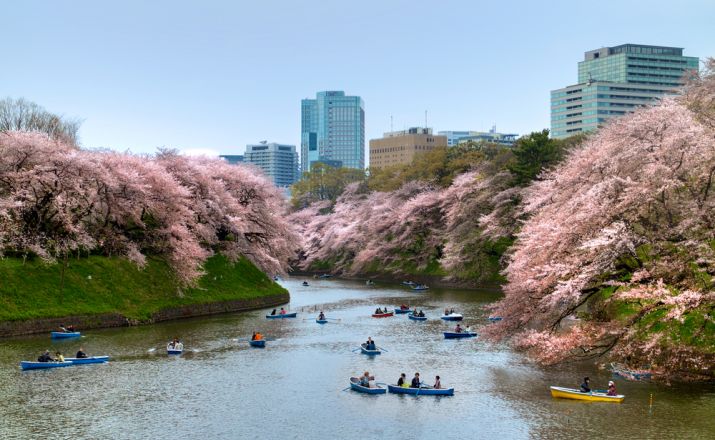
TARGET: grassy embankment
(98,285)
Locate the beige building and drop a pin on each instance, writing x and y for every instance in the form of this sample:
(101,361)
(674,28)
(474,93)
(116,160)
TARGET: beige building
(400,147)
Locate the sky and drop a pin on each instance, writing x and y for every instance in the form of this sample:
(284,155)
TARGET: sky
(212,76)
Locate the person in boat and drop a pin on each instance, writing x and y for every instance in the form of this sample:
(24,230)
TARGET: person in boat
(70,328)
(63,329)
(370,344)
(458,329)
(415,381)
(611,388)
(305,283)
(586,386)
(81,354)
(451,311)
(283,311)
(59,357)
(257,336)
(45,357)
(321,316)
(365,379)
(404,307)
(437,383)
(446,312)
(273,312)
(378,311)
(402,381)
(468,329)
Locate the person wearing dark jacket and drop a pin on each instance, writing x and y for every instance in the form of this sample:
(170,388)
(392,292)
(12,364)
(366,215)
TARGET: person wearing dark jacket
(81,354)
(45,357)
(401,381)
(415,381)
(585,388)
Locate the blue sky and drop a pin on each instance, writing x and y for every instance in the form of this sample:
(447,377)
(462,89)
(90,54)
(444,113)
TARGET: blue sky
(213,76)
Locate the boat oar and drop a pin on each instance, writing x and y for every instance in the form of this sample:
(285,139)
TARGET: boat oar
(335,319)
(383,349)
(355,349)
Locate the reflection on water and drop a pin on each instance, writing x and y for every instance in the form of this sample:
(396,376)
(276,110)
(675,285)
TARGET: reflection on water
(222,388)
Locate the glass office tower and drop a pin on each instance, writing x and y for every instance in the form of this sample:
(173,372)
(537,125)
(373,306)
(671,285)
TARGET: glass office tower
(279,162)
(613,81)
(333,130)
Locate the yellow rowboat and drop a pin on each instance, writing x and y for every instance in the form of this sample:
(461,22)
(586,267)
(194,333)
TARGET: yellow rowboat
(570,393)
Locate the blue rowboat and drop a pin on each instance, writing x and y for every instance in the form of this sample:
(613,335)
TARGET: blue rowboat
(494,318)
(452,317)
(364,350)
(422,391)
(408,283)
(30,365)
(176,349)
(454,335)
(321,321)
(88,360)
(64,335)
(420,287)
(417,318)
(260,343)
(355,385)
(402,311)
(285,315)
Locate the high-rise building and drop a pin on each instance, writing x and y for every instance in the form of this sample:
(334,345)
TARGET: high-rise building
(279,162)
(401,147)
(333,130)
(491,136)
(613,81)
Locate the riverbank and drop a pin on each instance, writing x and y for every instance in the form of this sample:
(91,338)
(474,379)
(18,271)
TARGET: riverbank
(98,292)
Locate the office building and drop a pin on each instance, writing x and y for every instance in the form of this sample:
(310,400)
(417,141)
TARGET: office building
(613,81)
(401,147)
(491,136)
(232,159)
(333,130)
(279,162)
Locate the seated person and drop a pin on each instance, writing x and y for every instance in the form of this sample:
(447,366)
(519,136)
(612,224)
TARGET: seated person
(611,388)
(378,311)
(421,314)
(81,354)
(273,312)
(321,317)
(415,381)
(437,383)
(585,386)
(63,329)
(283,311)
(70,328)
(59,357)
(458,329)
(258,336)
(365,379)
(45,357)
(402,381)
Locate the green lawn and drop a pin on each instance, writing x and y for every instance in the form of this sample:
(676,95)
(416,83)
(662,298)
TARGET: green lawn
(98,284)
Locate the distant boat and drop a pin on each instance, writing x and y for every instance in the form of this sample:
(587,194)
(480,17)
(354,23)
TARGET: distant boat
(285,315)
(570,393)
(421,391)
(420,287)
(261,343)
(174,349)
(325,275)
(400,311)
(460,335)
(64,335)
(382,315)
(305,283)
(452,317)
(408,283)
(355,385)
(321,321)
(629,373)
(495,318)
(417,318)
(369,283)
(364,350)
